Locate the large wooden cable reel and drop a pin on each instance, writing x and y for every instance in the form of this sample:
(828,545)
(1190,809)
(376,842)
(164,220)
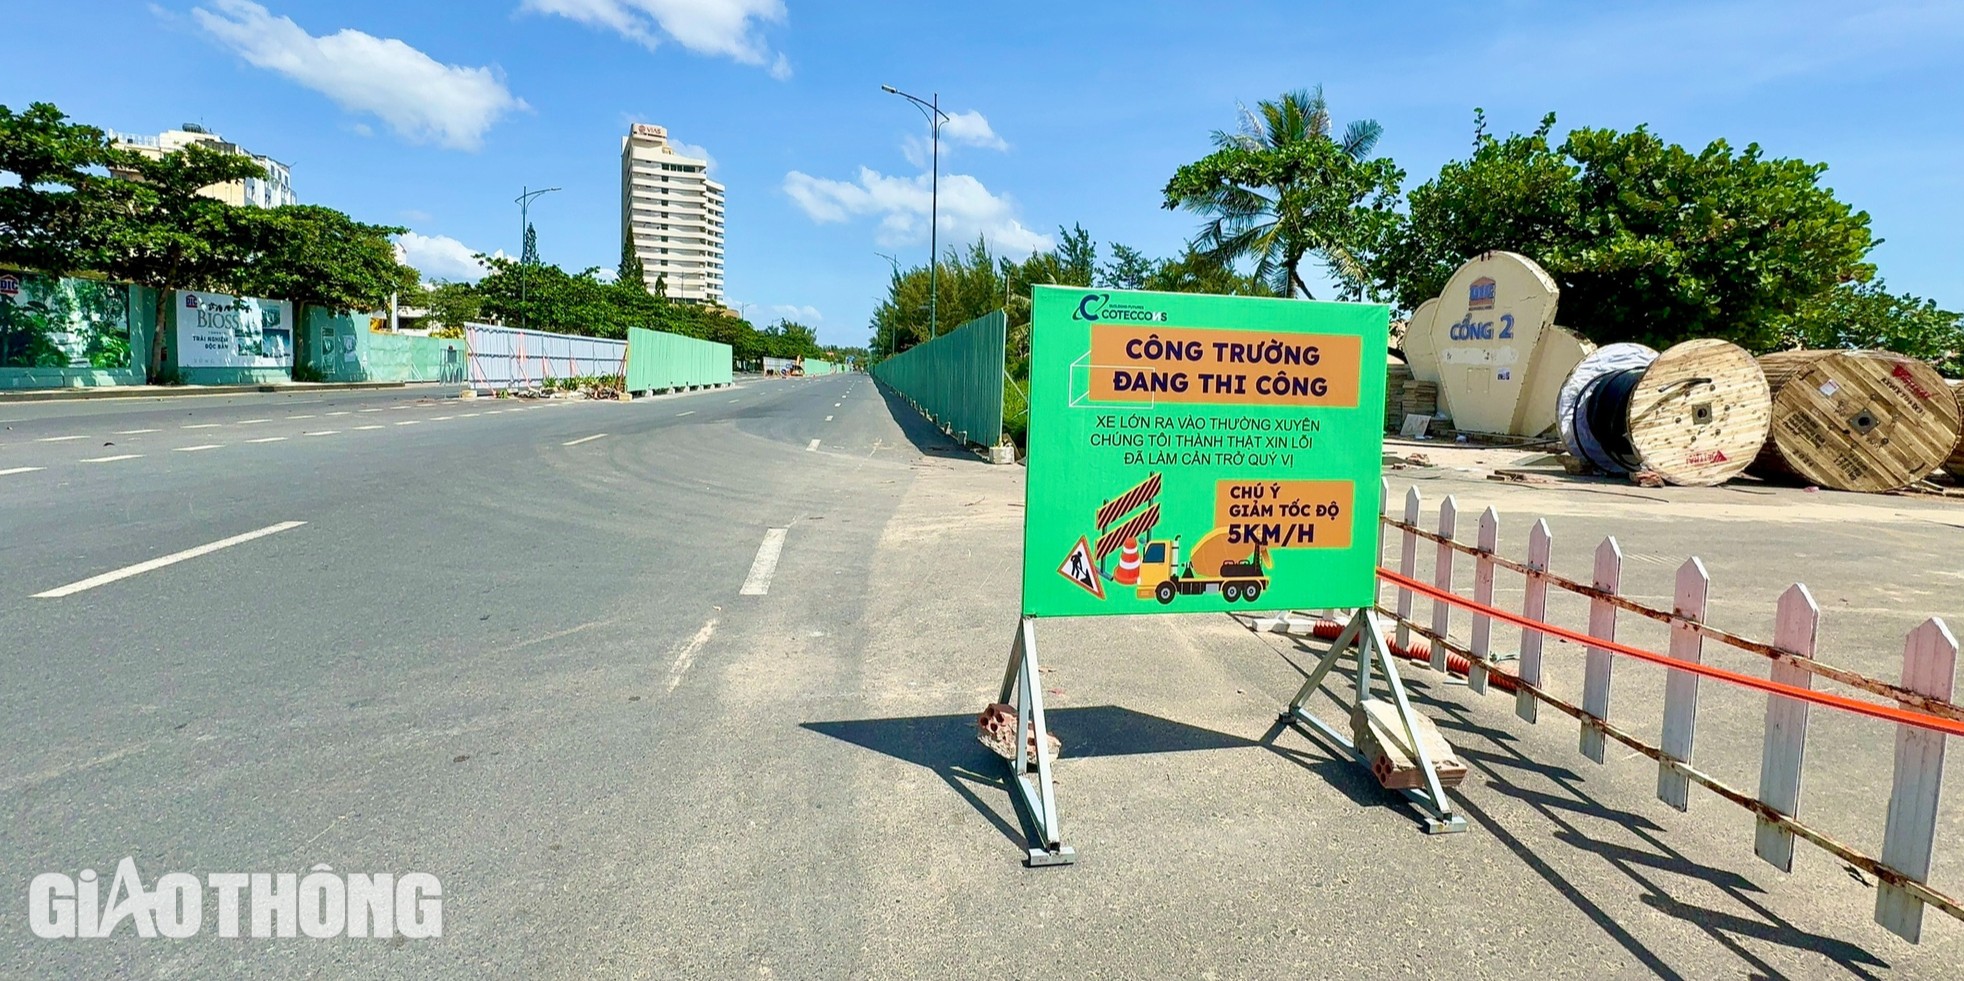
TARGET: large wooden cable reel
(1856,420)
(1696,415)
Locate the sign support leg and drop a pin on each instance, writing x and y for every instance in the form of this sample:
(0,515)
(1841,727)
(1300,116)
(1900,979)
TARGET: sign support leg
(1364,634)
(1029,779)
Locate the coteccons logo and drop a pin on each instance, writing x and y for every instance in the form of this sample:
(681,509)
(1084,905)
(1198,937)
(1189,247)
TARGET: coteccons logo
(319,904)
(1094,307)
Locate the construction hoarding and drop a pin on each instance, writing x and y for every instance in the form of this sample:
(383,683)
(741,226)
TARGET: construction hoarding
(658,361)
(955,379)
(1194,453)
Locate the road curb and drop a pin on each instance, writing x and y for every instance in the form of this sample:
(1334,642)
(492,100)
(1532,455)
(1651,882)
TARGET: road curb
(71,394)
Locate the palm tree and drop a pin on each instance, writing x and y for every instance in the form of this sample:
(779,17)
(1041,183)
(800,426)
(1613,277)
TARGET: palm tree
(1267,192)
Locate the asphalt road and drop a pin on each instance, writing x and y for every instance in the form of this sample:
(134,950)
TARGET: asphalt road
(481,656)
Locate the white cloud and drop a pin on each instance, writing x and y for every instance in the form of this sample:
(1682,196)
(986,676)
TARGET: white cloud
(802,314)
(693,150)
(903,205)
(969,128)
(440,257)
(419,97)
(725,28)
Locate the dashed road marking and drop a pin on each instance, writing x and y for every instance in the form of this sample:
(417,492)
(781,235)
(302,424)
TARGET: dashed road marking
(14,470)
(679,415)
(203,425)
(828,418)
(112,459)
(268,439)
(583,439)
(250,422)
(162,561)
(811,446)
(370,427)
(202,446)
(324,432)
(136,432)
(410,422)
(758,583)
(58,439)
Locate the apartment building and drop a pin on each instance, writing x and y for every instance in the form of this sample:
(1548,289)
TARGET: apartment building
(673,213)
(274,190)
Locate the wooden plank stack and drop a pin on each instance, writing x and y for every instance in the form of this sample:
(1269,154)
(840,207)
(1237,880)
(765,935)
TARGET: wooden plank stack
(1395,377)
(1856,420)
(1421,398)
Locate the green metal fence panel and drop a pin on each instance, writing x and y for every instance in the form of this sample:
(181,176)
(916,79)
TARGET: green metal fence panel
(342,348)
(955,379)
(658,361)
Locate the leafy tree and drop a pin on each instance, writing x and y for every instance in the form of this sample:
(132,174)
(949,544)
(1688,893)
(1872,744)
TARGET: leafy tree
(1649,241)
(1128,269)
(529,254)
(630,269)
(49,207)
(1282,189)
(451,306)
(1867,315)
(317,256)
(1199,272)
(158,231)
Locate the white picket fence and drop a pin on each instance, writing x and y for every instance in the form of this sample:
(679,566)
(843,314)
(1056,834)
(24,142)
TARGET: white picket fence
(1929,671)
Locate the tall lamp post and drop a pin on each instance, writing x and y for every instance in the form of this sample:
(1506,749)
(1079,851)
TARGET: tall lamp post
(524,201)
(931,108)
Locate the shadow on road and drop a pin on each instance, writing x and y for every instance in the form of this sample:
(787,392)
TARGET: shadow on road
(947,745)
(926,436)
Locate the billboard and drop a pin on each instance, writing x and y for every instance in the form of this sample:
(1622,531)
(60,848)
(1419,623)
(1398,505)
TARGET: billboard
(1193,453)
(50,322)
(219,331)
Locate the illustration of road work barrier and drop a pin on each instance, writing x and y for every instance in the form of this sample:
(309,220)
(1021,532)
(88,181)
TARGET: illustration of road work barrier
(1920,707)
(955,380)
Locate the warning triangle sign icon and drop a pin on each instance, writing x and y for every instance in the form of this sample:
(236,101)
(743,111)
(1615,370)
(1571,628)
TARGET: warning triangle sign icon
(1078,568)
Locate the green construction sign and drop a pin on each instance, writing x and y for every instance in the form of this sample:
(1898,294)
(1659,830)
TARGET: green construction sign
(1196,453)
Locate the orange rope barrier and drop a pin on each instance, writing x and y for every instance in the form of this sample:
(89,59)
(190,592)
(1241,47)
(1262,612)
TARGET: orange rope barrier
(1887,713)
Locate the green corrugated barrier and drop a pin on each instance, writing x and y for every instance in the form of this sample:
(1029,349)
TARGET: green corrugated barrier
(814,367)
(341,348)
(955,379)
(657,361)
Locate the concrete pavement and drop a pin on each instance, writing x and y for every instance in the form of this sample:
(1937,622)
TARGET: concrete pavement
(511,646)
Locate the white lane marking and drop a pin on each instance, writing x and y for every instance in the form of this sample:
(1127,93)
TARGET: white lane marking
(687,656)
(136,432)
(358,428)
(267,439)
(410,422)
(758,582)
(828,418)
(443,418)
(733,401)
(58,439)
(250,422)
(679,415)
(202,446)
(343,412)
(468,415)
(307,416)
(14,470)
(583,439)
(324,432)
(837,404)
(368,410)
(811,446)
(112,459)
(171,559)
(204,425)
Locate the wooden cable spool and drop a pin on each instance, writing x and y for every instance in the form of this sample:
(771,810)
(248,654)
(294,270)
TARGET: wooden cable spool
(1695,415)
(1856,420)
(1955,465)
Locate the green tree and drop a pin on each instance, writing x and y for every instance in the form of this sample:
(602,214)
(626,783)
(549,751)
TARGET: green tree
(1648,241)
(451,306)
(317,256)
(529,252)
(1283,188)
(1128,269)
(1867,315)
(630,269)
(158,231)
(50,209)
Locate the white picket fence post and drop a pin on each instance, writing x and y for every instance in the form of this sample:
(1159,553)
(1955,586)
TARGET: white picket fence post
(1681,687)
(1408,567)
(1442,577)
(1909,835)
(1476,677)
(1599,663)
(1796,623)
(1534,606)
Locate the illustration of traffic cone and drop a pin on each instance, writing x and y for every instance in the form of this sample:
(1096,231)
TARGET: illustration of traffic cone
(1128,564)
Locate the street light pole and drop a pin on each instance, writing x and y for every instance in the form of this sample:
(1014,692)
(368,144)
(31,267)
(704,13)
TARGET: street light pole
(932,110)
(524,201)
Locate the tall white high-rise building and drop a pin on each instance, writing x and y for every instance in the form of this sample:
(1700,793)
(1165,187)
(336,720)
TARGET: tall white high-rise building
(673,213)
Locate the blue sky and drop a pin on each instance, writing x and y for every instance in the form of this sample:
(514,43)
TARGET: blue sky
(433,115)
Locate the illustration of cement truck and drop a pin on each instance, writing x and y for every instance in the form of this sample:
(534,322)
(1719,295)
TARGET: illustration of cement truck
(1236,571)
